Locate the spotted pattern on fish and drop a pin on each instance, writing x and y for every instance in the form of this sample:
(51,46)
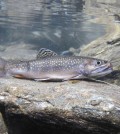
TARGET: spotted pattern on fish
(57,67)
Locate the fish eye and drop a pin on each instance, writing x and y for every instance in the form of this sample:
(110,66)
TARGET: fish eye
(99,62)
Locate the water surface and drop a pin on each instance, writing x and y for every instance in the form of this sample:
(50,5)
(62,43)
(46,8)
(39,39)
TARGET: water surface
(54,24)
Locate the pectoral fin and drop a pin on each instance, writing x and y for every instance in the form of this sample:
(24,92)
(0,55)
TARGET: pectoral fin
(79,76)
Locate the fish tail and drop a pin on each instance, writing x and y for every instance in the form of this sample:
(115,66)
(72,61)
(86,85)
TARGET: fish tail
(2,67)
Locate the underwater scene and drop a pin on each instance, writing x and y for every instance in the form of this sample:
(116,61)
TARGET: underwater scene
(53,24)
(59,66)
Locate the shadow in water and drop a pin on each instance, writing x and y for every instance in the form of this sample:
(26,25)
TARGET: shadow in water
(114,77)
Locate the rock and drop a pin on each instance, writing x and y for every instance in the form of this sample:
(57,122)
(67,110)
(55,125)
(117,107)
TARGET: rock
(19,51)
(2,126)
(59,107)
(108,46)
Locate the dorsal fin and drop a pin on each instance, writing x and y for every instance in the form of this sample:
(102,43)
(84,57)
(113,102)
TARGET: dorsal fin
(43,52)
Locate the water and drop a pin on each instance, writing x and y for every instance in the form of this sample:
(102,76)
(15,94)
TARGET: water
(54,24)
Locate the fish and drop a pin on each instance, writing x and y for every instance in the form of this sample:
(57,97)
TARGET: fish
(48,65)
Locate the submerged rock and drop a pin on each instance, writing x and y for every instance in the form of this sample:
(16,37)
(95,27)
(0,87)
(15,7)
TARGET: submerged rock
(3,129)
(108,46)
(59,107)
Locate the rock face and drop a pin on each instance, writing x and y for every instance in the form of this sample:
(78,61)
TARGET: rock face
(108,46)
(2,126)
(30,107)
(72,107)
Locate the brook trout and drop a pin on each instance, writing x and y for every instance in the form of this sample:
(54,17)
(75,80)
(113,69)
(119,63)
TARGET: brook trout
(50,66)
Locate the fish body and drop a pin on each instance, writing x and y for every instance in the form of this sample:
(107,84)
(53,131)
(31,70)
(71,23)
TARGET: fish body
(50,66)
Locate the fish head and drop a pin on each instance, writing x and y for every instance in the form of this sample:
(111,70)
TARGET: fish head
(97,67)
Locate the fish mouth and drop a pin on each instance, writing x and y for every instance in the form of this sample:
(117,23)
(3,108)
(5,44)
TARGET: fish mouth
(102,71)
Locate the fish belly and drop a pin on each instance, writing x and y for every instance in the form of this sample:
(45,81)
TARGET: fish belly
(58,76)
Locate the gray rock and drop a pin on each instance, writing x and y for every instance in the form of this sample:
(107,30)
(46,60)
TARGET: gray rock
(108,46)
(3,129)
(59,107)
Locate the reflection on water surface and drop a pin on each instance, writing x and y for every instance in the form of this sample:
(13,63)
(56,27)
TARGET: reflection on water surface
(53,24)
